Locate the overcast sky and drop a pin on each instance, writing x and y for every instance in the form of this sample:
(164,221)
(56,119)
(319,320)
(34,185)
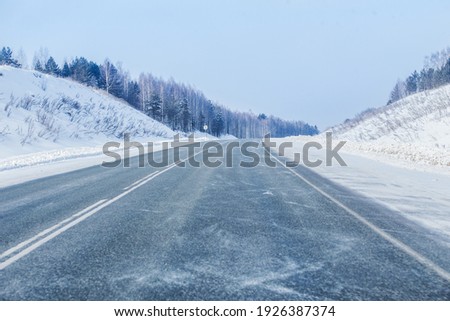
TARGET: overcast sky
(313,60)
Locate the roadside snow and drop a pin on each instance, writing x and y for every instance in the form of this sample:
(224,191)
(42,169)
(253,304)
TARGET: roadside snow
(408,155)
(414,130)
(51,125)
(42,113)
(24,174)
(48,157)
(399,155)
(228,137)
(22,168)
(417,190)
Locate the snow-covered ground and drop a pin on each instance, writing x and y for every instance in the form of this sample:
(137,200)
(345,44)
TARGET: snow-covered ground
(415,189)
(414,130)
(22,168)
(40,113)
(417,193)
(51,125)
(399,155)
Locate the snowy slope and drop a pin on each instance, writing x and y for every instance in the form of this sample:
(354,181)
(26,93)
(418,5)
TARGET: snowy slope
(59,118)
(423,117)
(398,155)
(415,129)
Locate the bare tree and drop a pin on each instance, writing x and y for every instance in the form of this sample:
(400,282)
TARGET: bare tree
(109,75)
(21,58)
(40,57)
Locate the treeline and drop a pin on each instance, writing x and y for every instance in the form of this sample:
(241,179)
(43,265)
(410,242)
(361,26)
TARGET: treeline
(179,106)
(436,73)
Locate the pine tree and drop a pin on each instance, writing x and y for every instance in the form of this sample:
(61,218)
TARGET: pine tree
(38,66)
(411,83)
(80,70)
(185,115)
(172,111)
(51,67)
(133,94)
(153,107)
(3,56)
(6,58)
(217,124)
(398,92)
(65,72)
(84,71)
(201,121)
(94,74)
(445,72)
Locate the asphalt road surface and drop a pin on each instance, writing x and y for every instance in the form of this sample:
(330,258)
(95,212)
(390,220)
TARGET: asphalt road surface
(200,233)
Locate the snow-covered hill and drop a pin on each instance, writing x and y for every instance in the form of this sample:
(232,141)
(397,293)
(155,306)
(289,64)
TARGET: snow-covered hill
(398,155)
(58,117)
(415,129)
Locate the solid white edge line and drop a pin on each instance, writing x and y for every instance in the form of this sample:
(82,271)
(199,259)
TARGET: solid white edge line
(44,240)
(104,204)
(397,243)
(48,230)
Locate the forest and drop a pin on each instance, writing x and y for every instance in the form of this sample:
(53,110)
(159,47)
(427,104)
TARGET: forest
(435,73)
(179,106)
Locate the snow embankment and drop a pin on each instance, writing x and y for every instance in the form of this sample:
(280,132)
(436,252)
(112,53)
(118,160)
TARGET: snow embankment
(409,155)
(419,192)
(48,157)
(414,130)
(23,168)
(59,118)
(398,155)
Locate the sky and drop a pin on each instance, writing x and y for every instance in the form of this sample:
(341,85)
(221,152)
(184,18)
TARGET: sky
(314,60)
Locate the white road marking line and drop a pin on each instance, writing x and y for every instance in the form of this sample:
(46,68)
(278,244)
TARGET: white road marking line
(48,230)
(81,217)
(138,181)
(397,243)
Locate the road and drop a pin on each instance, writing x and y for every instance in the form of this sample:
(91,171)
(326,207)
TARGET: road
(200,233)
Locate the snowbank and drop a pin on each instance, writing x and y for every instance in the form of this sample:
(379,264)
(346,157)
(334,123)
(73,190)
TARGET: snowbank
(413,131)
(415,189)
(39,112)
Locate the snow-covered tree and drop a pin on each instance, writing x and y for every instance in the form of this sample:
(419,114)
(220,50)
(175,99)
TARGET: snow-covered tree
(40,58)
(51,67)
(153,106)
(6,58)
(21,58)
(65,71)
(109,76)
(398,92)
(185,115)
